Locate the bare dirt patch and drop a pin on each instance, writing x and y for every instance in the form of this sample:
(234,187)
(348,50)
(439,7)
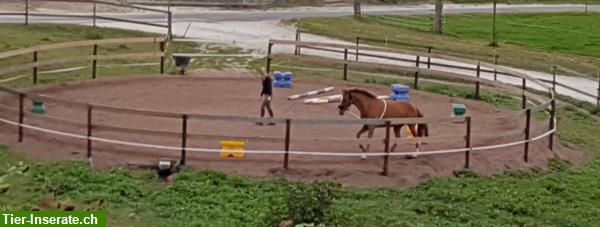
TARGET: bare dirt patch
(236,93)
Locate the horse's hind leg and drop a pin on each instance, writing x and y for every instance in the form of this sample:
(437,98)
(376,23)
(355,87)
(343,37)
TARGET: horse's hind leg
(415,132)
(397,133)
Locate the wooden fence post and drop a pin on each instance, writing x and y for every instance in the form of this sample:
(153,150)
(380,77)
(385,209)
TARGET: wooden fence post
(184,120)
(297,50)
(417,72)
(357,44)
(288,126)
(524,98)
(94,14)
(170,26)
(429,58)
(94,62)
(495,70)
(268,68)
(386,158)
(21,115)
(346,64)
(551,124)
(89,131)
(35,68)
(527,130)
(477,84)
(468,142)
(162,58)
(26,12)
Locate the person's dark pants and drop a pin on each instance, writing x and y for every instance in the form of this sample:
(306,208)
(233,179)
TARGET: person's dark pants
(265,103)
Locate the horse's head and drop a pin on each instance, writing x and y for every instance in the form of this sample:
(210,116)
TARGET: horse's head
(346,101)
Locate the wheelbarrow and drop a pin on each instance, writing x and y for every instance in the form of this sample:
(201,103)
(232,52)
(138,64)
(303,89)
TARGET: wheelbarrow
(181,63)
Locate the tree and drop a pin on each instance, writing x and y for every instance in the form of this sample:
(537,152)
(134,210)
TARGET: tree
(357,12)
(439,20)
(494,43)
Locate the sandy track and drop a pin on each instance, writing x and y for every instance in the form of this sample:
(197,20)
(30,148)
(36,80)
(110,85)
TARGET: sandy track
(239,96)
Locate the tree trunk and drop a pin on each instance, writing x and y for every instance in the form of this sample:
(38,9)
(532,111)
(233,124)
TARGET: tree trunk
(438,21)
(357,12)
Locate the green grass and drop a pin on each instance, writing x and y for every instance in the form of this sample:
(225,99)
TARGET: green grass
(530,41)
(17,36)
(560,196)
(571,33)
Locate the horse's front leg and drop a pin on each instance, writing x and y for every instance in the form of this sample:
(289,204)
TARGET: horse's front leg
(371,129)
(359,133)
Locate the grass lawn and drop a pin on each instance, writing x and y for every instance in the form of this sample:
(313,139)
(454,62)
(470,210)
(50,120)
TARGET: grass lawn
(17,36)
(559,196)
(530,41)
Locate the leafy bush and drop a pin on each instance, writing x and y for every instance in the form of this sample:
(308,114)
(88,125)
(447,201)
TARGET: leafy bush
(309,203)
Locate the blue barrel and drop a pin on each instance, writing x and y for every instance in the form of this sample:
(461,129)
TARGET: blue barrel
(283,79)
(400,92)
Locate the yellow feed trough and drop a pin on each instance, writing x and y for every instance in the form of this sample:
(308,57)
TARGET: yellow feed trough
(232,149)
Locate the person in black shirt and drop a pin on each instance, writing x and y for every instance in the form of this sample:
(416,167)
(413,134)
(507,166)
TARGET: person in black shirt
(266,94)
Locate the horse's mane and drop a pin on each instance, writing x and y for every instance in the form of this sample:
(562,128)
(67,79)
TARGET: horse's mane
(364,92)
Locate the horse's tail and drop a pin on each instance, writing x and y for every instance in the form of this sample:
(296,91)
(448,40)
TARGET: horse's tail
(423,129)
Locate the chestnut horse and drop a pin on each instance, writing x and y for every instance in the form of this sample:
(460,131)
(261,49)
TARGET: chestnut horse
(372,107)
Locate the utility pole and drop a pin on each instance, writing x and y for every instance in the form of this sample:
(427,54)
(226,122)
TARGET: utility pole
(494,43)
(438,22)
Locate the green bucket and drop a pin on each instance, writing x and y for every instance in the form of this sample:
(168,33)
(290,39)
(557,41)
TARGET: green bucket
(38,107)
(459,110)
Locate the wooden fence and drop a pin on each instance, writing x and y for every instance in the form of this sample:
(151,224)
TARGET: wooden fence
(94,57)
(286,138)
(421,60)
(94,15)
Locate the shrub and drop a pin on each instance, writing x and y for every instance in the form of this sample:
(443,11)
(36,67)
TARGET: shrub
(309,203)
